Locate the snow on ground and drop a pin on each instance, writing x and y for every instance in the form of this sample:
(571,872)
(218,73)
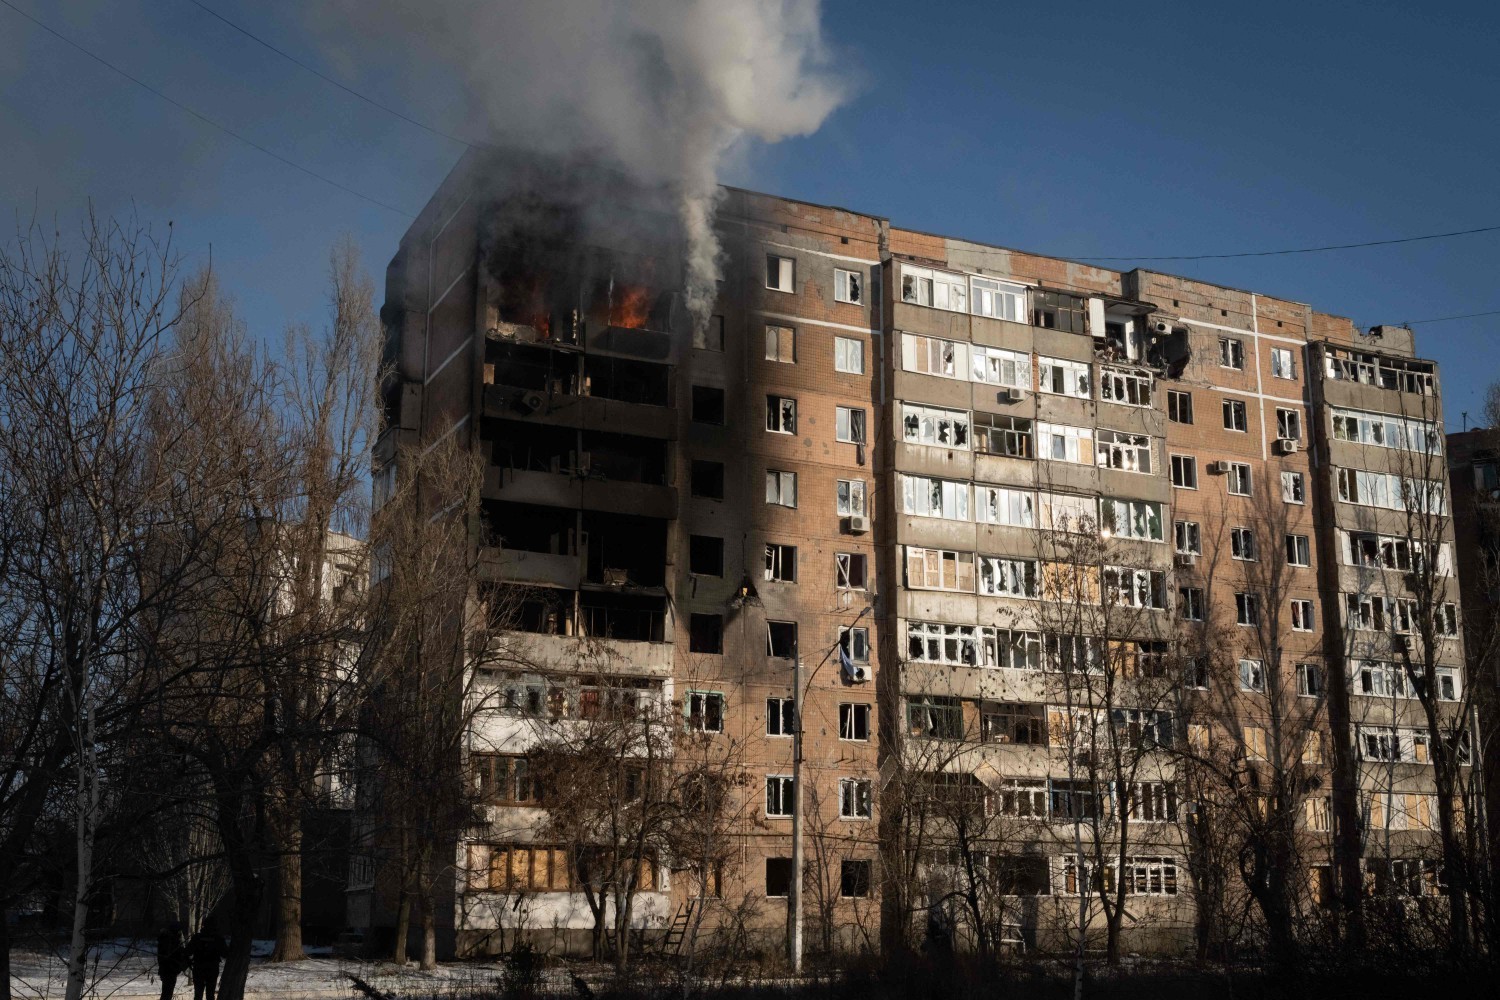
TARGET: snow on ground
(126,970)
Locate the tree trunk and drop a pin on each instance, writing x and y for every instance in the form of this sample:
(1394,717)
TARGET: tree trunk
(4,959)
(85,821)
(399,951)
(244,906)
(429,932)
(286,828)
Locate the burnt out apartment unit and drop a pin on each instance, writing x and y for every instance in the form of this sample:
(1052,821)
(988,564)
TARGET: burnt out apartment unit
(1042,544)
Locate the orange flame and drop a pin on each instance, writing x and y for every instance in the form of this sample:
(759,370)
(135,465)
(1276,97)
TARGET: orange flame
(629,307)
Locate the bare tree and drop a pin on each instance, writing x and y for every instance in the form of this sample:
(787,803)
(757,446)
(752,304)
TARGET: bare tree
(441,639)
(79,333)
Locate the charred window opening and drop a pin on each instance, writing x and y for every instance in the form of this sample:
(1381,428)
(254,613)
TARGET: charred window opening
(706,633)
(627,381)
(594,455)
(524,527)
(708,479)
(628,617)
(705,555)
(625,551)
(708,405)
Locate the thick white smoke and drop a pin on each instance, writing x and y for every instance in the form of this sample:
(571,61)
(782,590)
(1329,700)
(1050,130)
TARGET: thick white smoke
(663,89)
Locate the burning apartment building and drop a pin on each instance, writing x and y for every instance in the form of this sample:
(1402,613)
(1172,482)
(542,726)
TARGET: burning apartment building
(1052,565)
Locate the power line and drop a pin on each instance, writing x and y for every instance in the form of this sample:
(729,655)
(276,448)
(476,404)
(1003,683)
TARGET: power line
(204,118)
(344,87)
(1277,253)
(1444,319)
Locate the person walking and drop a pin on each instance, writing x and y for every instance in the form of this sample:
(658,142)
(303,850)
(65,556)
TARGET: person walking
(206,950)
(170,958)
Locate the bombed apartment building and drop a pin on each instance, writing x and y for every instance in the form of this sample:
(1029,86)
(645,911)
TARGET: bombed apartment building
(1061,565)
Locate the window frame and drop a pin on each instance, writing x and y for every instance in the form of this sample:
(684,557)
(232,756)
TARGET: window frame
(841,286)
(1179,406)
(1232,353)
(785,796)
(863,799)
(1236,415)
(785,343)
(1239,475)
(783,268)
(849,430)
(843,349)
(1188,475)
(777,415)
(781,478)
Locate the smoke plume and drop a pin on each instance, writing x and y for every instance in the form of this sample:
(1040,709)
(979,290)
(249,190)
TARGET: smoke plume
(664,90)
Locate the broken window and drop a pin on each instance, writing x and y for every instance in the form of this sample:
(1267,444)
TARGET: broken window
(505,779)
(705,711)
(932,356)
(1234,415)
(855,801)
(1137,519)
(1065,444)
(1309,680)
(708,404)
(1063,378)
(1058,311)
(997,505)
(1068,512)
(854,722)
(705,555)
(708,479)
(995,434)
(1302,615)
(1179,406)
(849,425)
(849,355)
(1136,588)
(1000,367)
(1246,609)
(781,717)
(705,633)
(854,878)
(781,563)
(1253,742)
(780,798)
(928,497)
(1073,800)
(850,494)
(998,299)
(781,639)
(855,643)
(1125,385)
(935,716)
(923,286)
(1283,363)
(778,877)
(781,344)
(1023,725)
(848,286)
(1298,550)
(1239,479)
(781,273)
(1187,537)
(939,569)
(1231,353)
(1023,798)
(781,488)
(1293,488)
(1190,603)
(1119,450)
(851,570)
(1252,675)
(1384,430)
(934,426)
(1242,544)
(1007,577)
(1152,801)
(1185,472)
(781,415)
(1289,424)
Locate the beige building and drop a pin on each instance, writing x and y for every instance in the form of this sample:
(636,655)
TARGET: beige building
(959,484)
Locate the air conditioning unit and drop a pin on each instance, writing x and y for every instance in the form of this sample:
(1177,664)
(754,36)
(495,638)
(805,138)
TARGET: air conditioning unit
(1404,644)
(1187,560)
(1221,467)
(856,524)
(857,673)
(1010,395)
(531,402)
(1161,326)
(1287,446)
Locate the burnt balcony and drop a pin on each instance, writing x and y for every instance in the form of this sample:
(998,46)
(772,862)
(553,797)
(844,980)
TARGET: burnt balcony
(540,386)
(592,470)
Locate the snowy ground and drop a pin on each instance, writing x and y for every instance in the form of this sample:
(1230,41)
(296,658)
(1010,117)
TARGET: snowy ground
(124,970)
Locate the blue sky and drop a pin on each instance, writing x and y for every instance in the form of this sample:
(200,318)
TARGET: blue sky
(1069,128)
